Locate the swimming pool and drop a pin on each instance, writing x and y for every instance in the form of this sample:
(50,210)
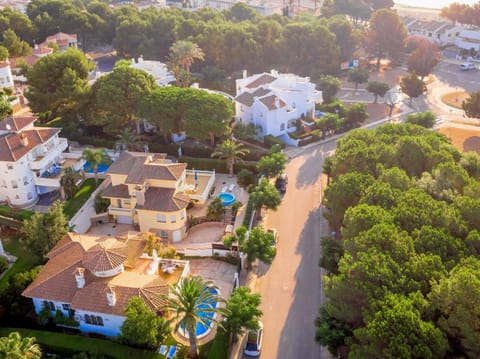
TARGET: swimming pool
(227,198)
(89,169)
(202,329)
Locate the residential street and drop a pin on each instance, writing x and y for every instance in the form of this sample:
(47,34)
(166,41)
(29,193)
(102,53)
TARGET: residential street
(292,287)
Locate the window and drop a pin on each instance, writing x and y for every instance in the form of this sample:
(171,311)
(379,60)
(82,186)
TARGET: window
(182,216)
(282,127)
(10,167)
(93,319)
(161,218)
(25,180)
(49,305)
(30,196)
(293,105)
(163,234)
(66,307)
(14,184)
(119,203)
(127,201)
(173,219)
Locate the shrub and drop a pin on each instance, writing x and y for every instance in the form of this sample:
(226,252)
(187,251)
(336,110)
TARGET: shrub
(270,141)
(60,319)
(168,252)
(245,177)
(235,207)
(3,264)
(336,106)
(220,166)
(248,213)
(101,204)
(170,149)
(215,209)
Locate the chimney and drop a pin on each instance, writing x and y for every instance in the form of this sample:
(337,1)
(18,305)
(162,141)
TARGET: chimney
(140,198)
(111,297)
(277,102)
(24,139)
(244,74)
(80,277)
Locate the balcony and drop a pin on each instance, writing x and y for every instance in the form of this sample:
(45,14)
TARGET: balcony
(119,211)
(49,158)
(47,182)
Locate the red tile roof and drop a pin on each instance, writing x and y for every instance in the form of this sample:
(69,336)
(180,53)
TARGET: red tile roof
(16,123)
(261,80)
(12,149)
(164,200)
(269,102)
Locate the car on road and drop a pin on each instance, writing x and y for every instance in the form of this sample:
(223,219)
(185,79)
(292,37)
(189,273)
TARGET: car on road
(253,345)
(467,66)
(281,183)
(274,233)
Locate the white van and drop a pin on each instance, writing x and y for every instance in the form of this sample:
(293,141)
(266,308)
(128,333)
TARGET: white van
(467,66)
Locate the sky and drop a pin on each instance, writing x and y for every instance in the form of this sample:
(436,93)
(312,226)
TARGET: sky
(434,4)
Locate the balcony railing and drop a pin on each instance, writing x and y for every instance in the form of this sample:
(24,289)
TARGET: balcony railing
(43,162)
(119,211)
(48,182)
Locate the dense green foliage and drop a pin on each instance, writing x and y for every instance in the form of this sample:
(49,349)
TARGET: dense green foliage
(142,327)
(243,311)
(405,202)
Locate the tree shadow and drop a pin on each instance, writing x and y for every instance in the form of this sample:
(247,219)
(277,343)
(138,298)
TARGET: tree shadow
(308,173)
(472,144)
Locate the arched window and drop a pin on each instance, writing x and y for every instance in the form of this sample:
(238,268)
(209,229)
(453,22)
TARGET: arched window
(87,319)
(100,321)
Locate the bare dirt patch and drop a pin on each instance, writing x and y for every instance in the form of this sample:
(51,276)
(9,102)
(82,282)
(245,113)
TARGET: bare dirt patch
(455,99)
(377,111)
(464,138)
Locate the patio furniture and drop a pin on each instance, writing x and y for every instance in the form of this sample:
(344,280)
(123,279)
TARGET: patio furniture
(172,352)
(231,187)
(163,349)
(224,189)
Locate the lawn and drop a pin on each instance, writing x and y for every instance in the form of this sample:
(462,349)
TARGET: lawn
(69,344)
(81,196)
(15,213)
(26,259)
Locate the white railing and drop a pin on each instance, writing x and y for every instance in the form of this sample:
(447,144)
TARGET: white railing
(120,211)
(48,182)
(50,155)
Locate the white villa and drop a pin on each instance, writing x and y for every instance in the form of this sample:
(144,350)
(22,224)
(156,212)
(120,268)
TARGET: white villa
(274,101)
(442,33)
(31,159)
(157,69)
(90,279)
(64,41)
(6,78)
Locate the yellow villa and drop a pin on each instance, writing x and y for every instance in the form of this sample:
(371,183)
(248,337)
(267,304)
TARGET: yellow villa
(152,193)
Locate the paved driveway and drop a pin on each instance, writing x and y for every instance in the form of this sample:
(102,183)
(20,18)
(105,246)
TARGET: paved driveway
(291,288)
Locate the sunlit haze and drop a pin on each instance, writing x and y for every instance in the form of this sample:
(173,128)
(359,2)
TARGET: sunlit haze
(434,4)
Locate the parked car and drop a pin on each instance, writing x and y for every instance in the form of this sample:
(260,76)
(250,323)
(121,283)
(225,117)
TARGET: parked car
(281,183)
(273,231)
(467,66)
(253,345)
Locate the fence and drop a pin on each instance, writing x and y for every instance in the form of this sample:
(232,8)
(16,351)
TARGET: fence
(80,222)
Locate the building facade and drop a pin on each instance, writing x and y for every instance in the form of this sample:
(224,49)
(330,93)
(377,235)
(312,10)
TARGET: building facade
(273,101)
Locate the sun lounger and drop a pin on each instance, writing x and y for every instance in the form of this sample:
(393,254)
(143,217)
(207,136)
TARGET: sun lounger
(231,187)
(172,352)
(224,189)
(163,349)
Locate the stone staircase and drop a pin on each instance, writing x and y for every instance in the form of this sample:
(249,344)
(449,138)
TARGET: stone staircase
(227,215)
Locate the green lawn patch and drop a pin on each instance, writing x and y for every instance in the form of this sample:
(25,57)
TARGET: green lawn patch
(83,194)
(26,259)
(15,213)
(70,344)
(218,347)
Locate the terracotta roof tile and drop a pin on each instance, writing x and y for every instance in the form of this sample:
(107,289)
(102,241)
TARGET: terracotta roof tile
(12,148)
(16,123)
(119,191)
(101,258)
(261,80)
(245,98)
(269,102)
(164,200)
(260,92)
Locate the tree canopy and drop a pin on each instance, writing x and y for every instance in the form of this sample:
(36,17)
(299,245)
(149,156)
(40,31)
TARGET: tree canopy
(403,202)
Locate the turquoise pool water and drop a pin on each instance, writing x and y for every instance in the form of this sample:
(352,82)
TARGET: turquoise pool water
(202,329)
(227,198)
(89,169)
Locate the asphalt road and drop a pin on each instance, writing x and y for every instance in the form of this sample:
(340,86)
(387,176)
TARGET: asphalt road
(291,287)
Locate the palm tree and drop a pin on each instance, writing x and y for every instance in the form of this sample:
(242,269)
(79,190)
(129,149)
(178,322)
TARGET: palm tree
(14,347)
(127,140)
(190,300)
(183,54)
(231,151)
(68,182)
(96,157)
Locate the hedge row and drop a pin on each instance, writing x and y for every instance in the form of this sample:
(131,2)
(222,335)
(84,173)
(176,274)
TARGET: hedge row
(270,141)
(220,166)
